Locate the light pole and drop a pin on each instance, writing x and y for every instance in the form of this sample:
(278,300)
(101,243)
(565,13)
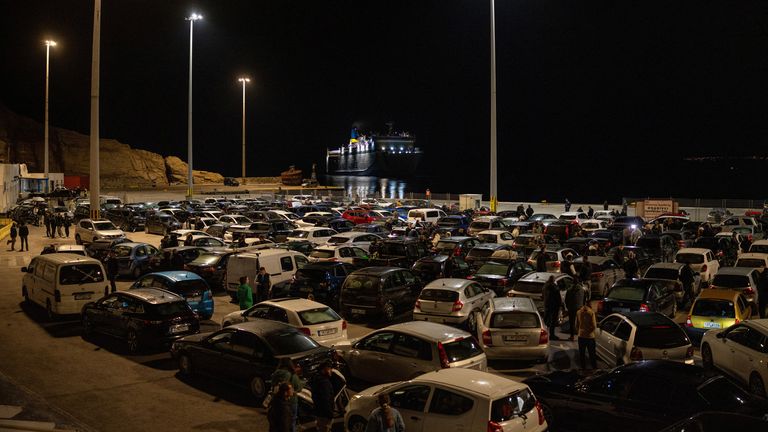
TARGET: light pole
(190,183)
(94,163)
(244,80)
(494,192)
(48,45)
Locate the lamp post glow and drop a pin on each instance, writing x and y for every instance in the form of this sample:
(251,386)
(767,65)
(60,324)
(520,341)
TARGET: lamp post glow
(493,190)
(190,182)
(244,81)
(48,45)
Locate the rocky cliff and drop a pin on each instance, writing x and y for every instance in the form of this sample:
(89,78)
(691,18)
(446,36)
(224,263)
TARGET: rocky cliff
(22,141)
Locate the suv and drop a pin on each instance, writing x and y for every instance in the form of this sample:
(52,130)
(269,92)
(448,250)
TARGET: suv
(458,245)
(742,279)
(405,351)
(88,230)
(161,223)
(379,291)
(434,267)
(126,218)
(484,223)
(452,301)
(320,281)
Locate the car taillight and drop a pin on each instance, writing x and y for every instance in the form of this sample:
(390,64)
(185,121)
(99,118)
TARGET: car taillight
(703,268)
(457,251)
(600,306)
(556,264)
(471,277)
(749,290)
(457,306)
(635,354)
(598,275)
(444,362)
(343,324)
(57,296)
(502,282)
(494,427)
(305,330)
(736,321)
(540,413)
(643,307)
(417,305)
(543,337)
(487,338)
(689,352)
(688,322)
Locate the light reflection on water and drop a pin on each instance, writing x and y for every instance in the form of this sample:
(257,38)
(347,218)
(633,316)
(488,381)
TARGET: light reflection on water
(367,186)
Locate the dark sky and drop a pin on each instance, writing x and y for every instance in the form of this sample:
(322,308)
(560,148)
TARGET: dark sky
(595,98)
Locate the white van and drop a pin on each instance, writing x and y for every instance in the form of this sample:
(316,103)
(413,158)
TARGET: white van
(430,215)
(63,283)
(281,265)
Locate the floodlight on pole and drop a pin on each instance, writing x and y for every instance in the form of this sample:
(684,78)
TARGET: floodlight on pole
(190,182)
(48,45)
(493,189)
(244,80)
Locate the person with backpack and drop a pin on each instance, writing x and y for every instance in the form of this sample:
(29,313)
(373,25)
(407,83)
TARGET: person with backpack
(384,418)
(286,373)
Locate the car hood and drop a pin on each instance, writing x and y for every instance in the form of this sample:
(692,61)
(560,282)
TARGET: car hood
(195,338)
(110,232)
(557,379)
(234,317)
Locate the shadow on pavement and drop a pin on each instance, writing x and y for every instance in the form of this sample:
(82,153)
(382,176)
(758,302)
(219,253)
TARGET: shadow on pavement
(220,390)
(61,327)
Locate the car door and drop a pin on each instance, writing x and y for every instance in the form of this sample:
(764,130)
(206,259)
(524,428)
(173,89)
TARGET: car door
(410,400)
(734,355)
(450,410)
(368,356)
(604,338)
(207,355)
(411,357)
(460,268)
(244,357)
(648,403)
(99,313)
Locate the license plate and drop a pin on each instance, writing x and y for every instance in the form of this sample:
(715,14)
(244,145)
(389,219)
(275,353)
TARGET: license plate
(516,338)
(358,311)
(83,296)
(711,324)
(620,309)
(326,332)
(195,298)
(305,289)
(178,328)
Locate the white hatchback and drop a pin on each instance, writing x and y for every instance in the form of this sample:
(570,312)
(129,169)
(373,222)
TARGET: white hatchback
(496,236)
(315,235)
(343,253)
(635,336)
(740,351)
(453,399)
(314,319)
(701,260)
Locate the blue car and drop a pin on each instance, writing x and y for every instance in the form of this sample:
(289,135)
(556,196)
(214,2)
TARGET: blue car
(402,212)
(192,287)
(453,224)
(133,258)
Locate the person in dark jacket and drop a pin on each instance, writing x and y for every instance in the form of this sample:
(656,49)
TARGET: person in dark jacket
(67,223)
(112,269)
(279,412)
(541,259)
(552,304)
(24,236)
(687,278)
(631,268)
(286,372)
(47,222)
(322,397)
(762,293)
(14,233)
(529,211)
(263,284)
(177,261)
(590,212)
(574,300)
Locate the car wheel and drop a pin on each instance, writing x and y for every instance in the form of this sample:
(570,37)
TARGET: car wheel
(388,312)
(471,322)
(132,341)
(49,311)
(549,415)
(87,326)
(258,388)
(357,424)
(78,240)
(756,386)
(185,365)
(25,294)
(706,356)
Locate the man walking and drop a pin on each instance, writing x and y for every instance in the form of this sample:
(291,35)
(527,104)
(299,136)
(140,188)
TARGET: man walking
(587,323)
(541,259)
(244,293)
(574,300)
(112,269)
(24,234)
(47,222)
(67,224)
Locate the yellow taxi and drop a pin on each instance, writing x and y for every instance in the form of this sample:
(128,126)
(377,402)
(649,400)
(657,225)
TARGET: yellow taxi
(716,309)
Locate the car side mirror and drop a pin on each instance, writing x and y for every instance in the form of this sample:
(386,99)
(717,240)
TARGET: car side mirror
(24,270)
(720,335)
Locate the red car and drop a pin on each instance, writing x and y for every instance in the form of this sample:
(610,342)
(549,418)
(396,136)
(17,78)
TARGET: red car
(358,216)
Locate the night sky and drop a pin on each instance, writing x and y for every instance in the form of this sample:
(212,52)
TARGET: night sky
(596,99)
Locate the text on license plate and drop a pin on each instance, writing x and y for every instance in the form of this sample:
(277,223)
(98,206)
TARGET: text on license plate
(83,296)
(516,338)
(711,324)
(358,311)
(620,309)
(326,332)
(195,298)
(178,328)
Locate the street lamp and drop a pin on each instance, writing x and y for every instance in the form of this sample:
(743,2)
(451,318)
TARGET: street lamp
(244,80)
(48,45)
(192,18)
(493,190)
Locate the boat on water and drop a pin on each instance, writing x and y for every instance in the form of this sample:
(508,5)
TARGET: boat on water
(393,154)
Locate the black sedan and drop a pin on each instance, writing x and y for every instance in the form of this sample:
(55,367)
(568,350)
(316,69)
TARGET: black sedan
(248,353)
(500,277)
(211,266)
(642,396)
(440,266)
(643,295)
(144,316)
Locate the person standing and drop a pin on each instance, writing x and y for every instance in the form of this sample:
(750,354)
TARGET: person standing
(585,277)
(322,397)
(47,222)
(384,418)
(286,373)
(67,224)
(520,210)
(263,284)
(605,205)
(529,211)
(60,225)
(630,266)
(24,236)
(587,323)
(279,412)
(244,293)
(687,278)
(552,305)
(567,205)
(14,233)
(762,293)
(112,269)
(541,259)
(574,300)
(590,212)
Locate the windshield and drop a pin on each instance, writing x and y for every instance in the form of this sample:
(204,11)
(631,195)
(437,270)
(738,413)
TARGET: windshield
(310,273)
(321,253)
(448,222)
(439,295)
(480,225)
(104,226)
(590,225)
(168,309)
(242,220)
(338,239)
(416,215)
(393,249)
(428,266)
(750,262)
(480,253)
(446,245)
(493,269)
(318,316)
(760,248)
(689,258)
(515,320)
(461,349)
(627,293)
(661,336)
(714,308)
(524,240)
(362,284)
(299,234)
(515,404)
(528,287)
(661,273)
(80,274)
(567,217)
(730,281)
(188,286)
(488,238)
(289,342)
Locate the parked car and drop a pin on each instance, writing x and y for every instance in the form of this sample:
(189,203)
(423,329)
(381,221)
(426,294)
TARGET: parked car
(247,353)
(702,261)
(320,281)
(142,317)
(453,302)
(605,272)
(316,235)
(161,223)
(434,267)
(407,350)
(532,286)
(637,336)
(647,395)
(484,223)
(354,238)
(455,245)
(757,261)
(480,401)
(314,319)
(644,295)
(161,261)
(511,328)
(379,292)
(400,252)
(89,230)
(741,351)
(496,236)
(659,247)
(212,267)
(186,285)
(555,255)
(673,272)
(741,279)
(359,216)
(643,259)
(424,215)
(501,276)
(126,218)
(133,258)
(717,309)
(348,254)
(453,224)
(64,248)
